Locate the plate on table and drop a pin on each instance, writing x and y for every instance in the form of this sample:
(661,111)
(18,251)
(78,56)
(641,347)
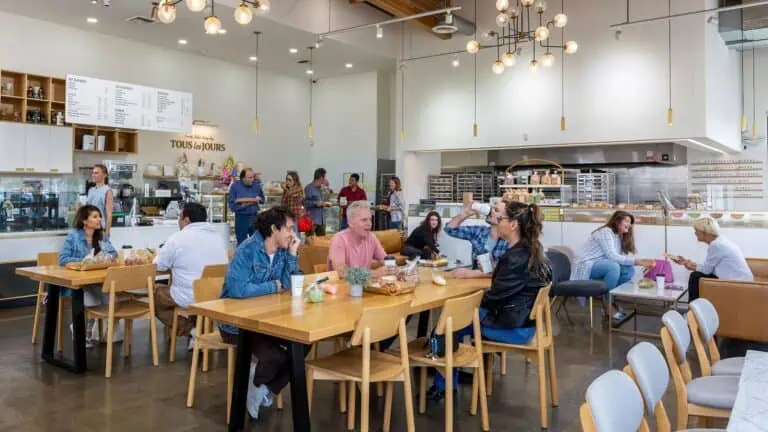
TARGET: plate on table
(442,262)
(80,266)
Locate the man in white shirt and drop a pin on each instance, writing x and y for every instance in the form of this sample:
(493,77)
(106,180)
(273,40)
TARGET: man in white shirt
(186,253)
(724,259)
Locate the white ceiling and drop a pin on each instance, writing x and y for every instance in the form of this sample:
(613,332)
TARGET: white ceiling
(235,46)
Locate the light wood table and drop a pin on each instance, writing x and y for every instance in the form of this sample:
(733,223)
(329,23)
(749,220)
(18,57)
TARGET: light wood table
(303,323)
(57,277)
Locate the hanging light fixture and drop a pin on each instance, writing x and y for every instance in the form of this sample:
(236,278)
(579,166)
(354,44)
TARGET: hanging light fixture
(196,5)
(402,82)
(256,120)
(212,23)
(563,19)
(754,95)
(524,25)
(310,131)
(165,12)
(743,125)
(243,14)
(670,114)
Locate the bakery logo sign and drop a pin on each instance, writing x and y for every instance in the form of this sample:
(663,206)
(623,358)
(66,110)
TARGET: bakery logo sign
(198,142)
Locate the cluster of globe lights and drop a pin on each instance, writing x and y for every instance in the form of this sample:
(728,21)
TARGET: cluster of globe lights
(166,12)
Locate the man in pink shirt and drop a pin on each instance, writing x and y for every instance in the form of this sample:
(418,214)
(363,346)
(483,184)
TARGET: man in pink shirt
(356,246)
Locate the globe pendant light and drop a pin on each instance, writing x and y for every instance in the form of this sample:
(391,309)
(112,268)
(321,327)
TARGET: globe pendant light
(560,20)
(243,14)
(166,13)
(548,59)
(212,24)
(498,67)
(509,59)
(196,5)
(473,46)
(263,7)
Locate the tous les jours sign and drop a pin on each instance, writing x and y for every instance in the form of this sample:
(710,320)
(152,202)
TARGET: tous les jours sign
(198,142)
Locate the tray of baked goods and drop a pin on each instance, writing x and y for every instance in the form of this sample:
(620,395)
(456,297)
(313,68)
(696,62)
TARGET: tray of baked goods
(87,265)
(391,285)
(439,262)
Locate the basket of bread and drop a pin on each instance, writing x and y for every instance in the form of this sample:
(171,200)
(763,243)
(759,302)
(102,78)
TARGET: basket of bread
(99,261)
(404,282)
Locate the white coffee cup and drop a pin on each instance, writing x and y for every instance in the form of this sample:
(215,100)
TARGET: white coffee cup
(343,201)
(390,262)
(484,261)
(482,209)
(660,283)
(297,285)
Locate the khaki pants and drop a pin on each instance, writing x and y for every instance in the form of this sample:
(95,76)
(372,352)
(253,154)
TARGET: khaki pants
(164,306)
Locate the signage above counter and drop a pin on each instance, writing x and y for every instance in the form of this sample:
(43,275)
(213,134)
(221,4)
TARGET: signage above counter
(93,101)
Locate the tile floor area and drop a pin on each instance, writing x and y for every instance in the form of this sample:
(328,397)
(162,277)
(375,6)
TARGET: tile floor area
(140,397)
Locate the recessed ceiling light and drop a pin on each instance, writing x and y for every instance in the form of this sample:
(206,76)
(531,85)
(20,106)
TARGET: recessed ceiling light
(222,31)
(92,20)
(253,58)
(182,41)
(348,65)
(293,50)
(310,71)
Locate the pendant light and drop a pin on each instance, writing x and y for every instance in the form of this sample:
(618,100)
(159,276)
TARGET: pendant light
(212,23)
(402,82)
(562,20)
(310,132)
(474,76)
(743,124)
(258,60)
(670,115)
(166,12)
(196,5)
(754,95)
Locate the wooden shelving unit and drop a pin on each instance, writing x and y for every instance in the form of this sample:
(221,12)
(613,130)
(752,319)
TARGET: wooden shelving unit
(116,141)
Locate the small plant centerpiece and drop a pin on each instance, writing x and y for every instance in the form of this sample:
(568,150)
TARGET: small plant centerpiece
(358,277)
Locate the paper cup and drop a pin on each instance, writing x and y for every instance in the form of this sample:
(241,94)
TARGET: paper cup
(484,261)
(297,285)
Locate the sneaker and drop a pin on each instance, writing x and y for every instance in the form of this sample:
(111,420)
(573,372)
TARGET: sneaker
(191,340)
(255,400)
(435,394)
(88,342)
(619,315)
(268,400)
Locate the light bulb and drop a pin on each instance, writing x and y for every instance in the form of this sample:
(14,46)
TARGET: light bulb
(542,33)
(310,71)
(498,67)
(502,19)
(548,59)
(541,6)
(243,14)
(379,32)
(455,62)
(526,3)
(212,25)
(473,47)
(513,12)
(166,13)
(502,5)
(571,47)
(509,59)
(533,65)
(196,5)
(264,7)
(560,20)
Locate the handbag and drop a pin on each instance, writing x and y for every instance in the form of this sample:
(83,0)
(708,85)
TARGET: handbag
(662,267)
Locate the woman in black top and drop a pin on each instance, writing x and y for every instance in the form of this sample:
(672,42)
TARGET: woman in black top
(423,240)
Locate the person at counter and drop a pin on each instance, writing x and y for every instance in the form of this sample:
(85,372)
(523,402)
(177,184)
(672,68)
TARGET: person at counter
(608,255)
(244,199)
(349,194)
(183,255)
(484,239)
(357,246)
(724,259)
(423,240)
(396,203)
(87,236)
(293,194)
(261,266)
(315,203)
(100,196)
(520,273)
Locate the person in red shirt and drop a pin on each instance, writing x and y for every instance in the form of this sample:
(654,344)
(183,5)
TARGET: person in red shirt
(349,194)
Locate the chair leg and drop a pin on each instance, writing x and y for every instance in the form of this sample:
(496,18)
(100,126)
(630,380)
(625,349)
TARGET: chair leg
(364,404)
(503,364)
(489,374)
(342,397)
(542,369)
(310,387)
(280,401)
(448,399)
(351,406)
(38,303)
(473,402)
(553,377)
(193,369)
(110,336)
(153,339)
(591,314)
(422,390)
(481,391)
(408,396)
(379,385)
(388,407)
(174,329)
(127,338)
(230,377)
(59,327)
(100,324)
(205,350)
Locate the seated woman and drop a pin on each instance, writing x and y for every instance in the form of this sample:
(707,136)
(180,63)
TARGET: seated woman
(87,236)
(724,259)
(608,255)
(423,240)
(517,278)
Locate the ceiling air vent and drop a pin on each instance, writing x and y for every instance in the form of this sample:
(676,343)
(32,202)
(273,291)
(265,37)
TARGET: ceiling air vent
(445,25)
(140,20)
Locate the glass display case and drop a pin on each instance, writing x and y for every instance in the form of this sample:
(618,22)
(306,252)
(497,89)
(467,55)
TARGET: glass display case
(655,216)
(216,205)
(29,204)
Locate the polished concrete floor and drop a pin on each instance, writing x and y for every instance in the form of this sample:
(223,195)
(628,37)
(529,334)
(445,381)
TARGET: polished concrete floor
(139,397)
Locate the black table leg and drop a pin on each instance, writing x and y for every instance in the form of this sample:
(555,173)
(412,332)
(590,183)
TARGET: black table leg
(240,386)
(299,399)
(423,324)
(49,331)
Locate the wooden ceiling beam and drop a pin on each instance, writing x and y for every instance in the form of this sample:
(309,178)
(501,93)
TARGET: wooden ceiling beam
(403,8)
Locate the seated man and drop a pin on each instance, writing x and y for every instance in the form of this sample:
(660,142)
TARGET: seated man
(186,253)
(263,265)
(357,246)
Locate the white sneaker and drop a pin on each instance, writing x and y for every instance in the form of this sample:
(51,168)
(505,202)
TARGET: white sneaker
(255,400)
(191,340)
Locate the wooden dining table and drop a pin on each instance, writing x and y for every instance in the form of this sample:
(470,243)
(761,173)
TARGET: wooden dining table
(301,323)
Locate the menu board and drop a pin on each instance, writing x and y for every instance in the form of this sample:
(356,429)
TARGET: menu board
(93,101)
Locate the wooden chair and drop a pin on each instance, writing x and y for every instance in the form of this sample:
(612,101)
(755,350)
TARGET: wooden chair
(704,322)
(362,365)
(210,271)
(648,369)
(320,268)
(121,279)
(457,314)
(613,404)
(717,391)
(536,350)
(44,259)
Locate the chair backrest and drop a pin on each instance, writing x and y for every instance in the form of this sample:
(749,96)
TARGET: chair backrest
(561,266)
(678,330)
(382,322)
(391,240)
(706,317)
(541,313)
(759,268)
(651,373)
(461,311)
(215,271)
(704,323)
(566,250)
(47,258)
(611,413)
(209,288)
(130,278)
(320,268)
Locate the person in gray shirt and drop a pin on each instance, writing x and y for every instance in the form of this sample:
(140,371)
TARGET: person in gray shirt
(315,203)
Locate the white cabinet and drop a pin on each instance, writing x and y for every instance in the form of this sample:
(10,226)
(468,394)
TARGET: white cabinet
(35,148)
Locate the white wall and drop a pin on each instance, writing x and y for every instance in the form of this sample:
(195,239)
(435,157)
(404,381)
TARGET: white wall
(224,95)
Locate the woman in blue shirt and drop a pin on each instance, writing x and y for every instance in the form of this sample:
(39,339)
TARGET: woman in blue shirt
(86,236)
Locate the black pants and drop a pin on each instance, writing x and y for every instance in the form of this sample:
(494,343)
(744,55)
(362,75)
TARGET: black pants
(693,284)
(317,230)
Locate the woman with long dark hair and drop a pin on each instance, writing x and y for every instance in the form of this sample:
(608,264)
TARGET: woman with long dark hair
(609,253)
(100,196)
(423,240)
(293,194)
(396,202)
(87,236)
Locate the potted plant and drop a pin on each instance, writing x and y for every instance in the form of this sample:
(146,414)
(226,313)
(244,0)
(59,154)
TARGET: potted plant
(358,277)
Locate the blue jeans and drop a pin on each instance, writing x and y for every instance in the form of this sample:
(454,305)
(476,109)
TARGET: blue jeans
(243,226)
(521,335)
(611,272)
(395,224)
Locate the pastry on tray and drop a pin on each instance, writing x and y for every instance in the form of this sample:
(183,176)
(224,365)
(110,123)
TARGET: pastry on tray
(646,284)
